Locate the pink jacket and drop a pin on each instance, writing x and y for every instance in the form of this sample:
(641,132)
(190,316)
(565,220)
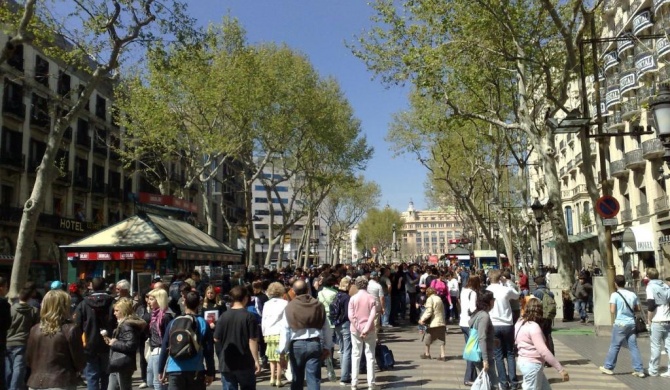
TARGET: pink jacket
(532,346)
(362,312)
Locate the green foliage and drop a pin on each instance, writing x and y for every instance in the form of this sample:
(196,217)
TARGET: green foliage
(376,229)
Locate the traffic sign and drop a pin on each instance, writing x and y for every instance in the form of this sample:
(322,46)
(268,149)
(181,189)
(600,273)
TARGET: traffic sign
(607,206)
(610,221)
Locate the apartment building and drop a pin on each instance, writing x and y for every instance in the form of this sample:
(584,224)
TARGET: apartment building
(428,232)
(631,67)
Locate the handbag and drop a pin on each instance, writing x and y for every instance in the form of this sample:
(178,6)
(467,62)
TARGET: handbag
(472,351)
(147,350)
(482,382)
(640,325)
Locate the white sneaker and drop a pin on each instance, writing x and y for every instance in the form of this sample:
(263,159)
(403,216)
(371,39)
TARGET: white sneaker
(666,374)
(143,385)
(639,374)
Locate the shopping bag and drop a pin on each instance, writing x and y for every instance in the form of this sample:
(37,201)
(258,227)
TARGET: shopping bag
(471,352)
(482,382)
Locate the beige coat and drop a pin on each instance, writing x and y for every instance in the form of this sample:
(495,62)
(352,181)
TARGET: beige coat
(434,312)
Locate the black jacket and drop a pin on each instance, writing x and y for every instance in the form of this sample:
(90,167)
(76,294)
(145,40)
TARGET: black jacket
(93,314)
(5,319)
(123,352)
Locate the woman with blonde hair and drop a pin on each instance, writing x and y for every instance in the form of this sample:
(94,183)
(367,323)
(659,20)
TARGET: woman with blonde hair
(123,345)
(533,350)
(271,326)
(158,317)
(55,352)
(436,327)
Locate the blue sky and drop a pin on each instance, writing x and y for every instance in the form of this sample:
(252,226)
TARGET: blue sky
(319,29)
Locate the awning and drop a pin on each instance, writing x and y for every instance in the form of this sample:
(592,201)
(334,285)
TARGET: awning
(148,236)
(638,238)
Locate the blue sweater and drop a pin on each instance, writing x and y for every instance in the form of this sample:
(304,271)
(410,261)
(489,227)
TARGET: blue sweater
(194,364)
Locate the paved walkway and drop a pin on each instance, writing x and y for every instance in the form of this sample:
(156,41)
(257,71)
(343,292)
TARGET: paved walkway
(411,372)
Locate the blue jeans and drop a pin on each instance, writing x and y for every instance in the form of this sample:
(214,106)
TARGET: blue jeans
(343,333)
(505,350)
(581,308)
(387,309)
(470,372)
(243,380)
(533,376)
(659,338)
(97,376)
(153,374)
(15,368)
(620,335)
(305,359)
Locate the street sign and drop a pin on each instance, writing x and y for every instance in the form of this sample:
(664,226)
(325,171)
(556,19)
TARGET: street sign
(607,207)
(610,222)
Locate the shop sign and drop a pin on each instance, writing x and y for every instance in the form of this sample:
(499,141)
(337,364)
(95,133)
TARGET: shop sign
(71,225)
(167,200)
(617,237)
(645,246)
(112,256)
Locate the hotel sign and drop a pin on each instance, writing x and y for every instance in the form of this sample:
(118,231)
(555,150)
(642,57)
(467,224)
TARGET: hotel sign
(612,97)
(645,63)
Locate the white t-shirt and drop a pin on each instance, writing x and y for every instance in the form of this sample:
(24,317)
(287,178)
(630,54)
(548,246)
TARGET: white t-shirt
(468,302)
(453,287)
(375,289)
(659,292)
(501,314)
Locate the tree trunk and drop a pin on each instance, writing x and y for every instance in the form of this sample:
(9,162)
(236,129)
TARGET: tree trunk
(206,208)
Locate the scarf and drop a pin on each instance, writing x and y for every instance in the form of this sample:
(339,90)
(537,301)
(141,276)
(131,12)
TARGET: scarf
(157,319)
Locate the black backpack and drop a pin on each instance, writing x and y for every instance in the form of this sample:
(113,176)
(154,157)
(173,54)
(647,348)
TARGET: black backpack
(339,310)
(183,343)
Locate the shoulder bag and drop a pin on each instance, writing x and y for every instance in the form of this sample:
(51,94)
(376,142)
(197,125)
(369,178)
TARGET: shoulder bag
(640,325)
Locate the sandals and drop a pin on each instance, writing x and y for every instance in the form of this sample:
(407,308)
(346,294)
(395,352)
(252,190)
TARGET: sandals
(424,356)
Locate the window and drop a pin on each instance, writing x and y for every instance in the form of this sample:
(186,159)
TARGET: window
(278,188)
(39,111)
(13,99)
(82,87)
(37,149)
(80,171)
(568,220)
(16,60)
(100,107)
(100,142)
(10,146)
(42,71)
(83,138)
(98,179)
(64,80)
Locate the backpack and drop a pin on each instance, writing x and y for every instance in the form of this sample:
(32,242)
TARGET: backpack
(548,305)
(384,357)
(183,343)
(339,310)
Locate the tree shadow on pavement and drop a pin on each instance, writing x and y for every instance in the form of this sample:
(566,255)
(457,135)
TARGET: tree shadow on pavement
(576,362)
(397,381)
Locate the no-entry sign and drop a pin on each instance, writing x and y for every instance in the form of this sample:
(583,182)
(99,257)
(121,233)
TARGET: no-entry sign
(607,206)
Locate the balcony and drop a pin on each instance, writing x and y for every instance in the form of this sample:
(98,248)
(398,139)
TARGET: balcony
(571,166)
(40,120)
(14,109)
(579,190)
(642,210)
(98,187)
(566,194)
(561,145)
(634,159)
(13,160)
(661,204)
(82,183)
(578,159)
(652,149)
(618,168)
(571,138)
(83,141)
(630,108)
(615,122)
(562,172)
(626,215)
(65,179)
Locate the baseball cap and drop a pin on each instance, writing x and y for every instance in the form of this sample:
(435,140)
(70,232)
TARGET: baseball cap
(56,285)
(374,274)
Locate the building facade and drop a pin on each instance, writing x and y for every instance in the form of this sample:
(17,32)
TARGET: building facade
(428,232)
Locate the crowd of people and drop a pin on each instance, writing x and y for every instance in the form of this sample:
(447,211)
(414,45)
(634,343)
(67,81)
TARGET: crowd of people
(288,321)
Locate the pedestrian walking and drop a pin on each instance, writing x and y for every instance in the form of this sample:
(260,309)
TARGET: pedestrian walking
(362,312)
(123,345)
(533,351)
(582,290)
(271,326)
(141,311)
(326,296)
(55,353)
(468,306)
(159,316)
(548,310)
(339,317)
(658,306)
(306,336)
(623,304)
(454,291)
(187,352)
(238,333)
(436,327)
(95,316)
(5,322)
(481,321)
(23,318)
(501,318)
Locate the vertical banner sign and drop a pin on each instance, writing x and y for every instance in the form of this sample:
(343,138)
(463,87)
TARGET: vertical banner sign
(642,21)
(610,60)
(662,46)
(627,81)
(613,97)
(645,63)
(624,44)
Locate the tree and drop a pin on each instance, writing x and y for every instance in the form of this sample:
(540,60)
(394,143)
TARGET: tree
(93,38)
(344,207)
(376,230)
(504,64)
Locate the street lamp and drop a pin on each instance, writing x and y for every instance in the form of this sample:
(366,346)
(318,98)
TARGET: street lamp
(660,107)
(538,212)
(261,239)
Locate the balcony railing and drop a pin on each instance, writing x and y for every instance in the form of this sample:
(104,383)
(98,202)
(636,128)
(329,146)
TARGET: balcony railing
(615,121)
(634,159)
(14,108)
(561,172)
(652,149)
(571,165)
(83,141)
(661,204)
(626,215)
(565,194)
(630,108)
(65,179)
(82,182)
(578,159)
(642,210)
(618,168)
(579,189)
(98,187)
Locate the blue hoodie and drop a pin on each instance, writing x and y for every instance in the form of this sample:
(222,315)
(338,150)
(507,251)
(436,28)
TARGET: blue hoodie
(194,364)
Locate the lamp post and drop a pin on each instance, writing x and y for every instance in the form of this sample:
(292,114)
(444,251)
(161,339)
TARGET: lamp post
(394,245)
(261,239)
(496,232)
(538,212)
